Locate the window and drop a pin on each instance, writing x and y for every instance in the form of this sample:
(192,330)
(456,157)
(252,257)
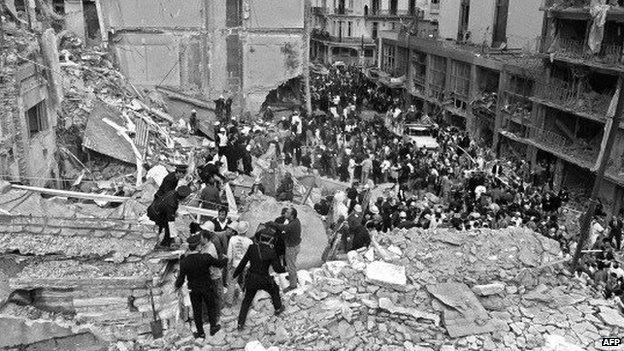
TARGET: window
(350,5)
(37,119)
(368,52)
(350,29)
(438,77)
(393,25)
(388,58)
(412,7)
(375,30)
(394,4)
(460,81)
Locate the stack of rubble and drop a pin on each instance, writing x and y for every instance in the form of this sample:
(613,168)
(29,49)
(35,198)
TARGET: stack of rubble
(428,290)
(99,104)
(96,267)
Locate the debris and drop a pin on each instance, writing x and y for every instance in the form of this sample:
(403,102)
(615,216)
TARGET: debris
(386,274)
(463,313)
(489,289)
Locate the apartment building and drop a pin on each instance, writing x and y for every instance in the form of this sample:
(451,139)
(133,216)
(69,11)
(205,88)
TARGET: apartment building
(563,114)
(349,30)
(549,104)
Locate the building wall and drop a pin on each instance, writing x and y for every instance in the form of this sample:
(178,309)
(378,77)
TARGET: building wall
(39,149)
(270,61)
(194,48)
(524,24)
(448,22)
(481,21)
(275,14)
(153,13)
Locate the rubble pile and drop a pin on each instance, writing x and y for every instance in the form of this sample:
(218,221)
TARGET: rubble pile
(426,290)
(89,81)
(92,267)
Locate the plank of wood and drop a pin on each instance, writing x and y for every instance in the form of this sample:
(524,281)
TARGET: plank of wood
(72,194)
(191,100)
(205,212)
(229,195)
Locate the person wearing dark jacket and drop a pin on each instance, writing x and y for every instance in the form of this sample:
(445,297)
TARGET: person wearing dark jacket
(163,210)
(195,268)
(285,190)
(292,239)
(170,182)
(209,171)
(258,278)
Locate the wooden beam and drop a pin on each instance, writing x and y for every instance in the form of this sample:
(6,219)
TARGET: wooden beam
(205,212)
(72,194)
(182,97)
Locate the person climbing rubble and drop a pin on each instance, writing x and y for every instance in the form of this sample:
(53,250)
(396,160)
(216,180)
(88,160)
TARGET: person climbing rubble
(260,256)
(284,191)
(237,248)
(195,268)
(170,182)
(163,211)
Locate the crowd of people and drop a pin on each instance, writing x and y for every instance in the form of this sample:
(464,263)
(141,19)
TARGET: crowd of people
(459,185)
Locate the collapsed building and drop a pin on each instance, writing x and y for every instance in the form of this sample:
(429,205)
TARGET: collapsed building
(206,49)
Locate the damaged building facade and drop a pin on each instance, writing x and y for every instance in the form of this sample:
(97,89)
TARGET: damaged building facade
(544,100)
(349,31)
(205,48)
(29,97)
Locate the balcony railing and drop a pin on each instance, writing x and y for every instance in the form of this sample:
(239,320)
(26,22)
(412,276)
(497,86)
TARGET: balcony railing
(568,97)
(610,54)
(379,13)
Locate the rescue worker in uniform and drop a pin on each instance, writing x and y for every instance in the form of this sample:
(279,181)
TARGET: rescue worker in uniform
(195,268)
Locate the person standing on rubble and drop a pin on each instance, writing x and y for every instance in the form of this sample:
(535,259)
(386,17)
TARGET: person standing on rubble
(220,107)
(163,210)
(285,190)
(170,182)
(291,233)
(195,268)
(260,256)
(193,122)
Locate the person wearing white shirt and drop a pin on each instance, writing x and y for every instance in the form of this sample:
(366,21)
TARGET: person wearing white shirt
(237,248)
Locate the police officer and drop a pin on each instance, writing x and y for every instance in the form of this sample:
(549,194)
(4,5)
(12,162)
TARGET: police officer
(195,267)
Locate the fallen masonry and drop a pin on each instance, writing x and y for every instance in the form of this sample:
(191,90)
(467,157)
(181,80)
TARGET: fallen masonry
(339,308)
(85,269)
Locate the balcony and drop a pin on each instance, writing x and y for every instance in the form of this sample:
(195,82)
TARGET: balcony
(577,52)
(391,13)
(564,96)
(582,155)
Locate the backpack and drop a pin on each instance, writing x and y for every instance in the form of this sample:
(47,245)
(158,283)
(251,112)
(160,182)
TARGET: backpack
(266,239)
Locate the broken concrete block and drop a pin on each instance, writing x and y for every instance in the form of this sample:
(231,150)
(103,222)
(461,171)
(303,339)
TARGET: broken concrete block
(304,277)
(254,346)
(611,317)
(388,305)
(488,289)
(559,343)
(386,274)
(370,254)
(356,261)
(334,267)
